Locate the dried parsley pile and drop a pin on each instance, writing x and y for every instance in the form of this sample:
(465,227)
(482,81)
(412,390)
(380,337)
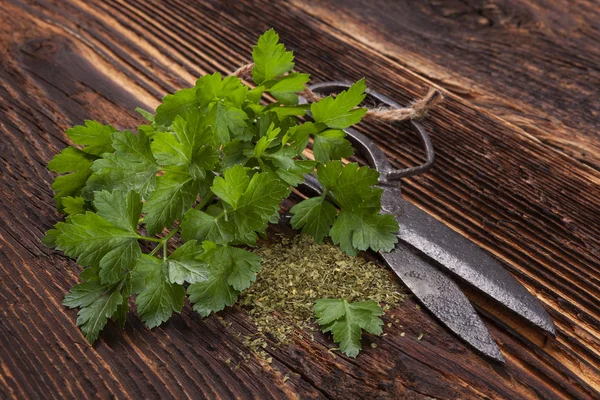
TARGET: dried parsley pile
(298,271)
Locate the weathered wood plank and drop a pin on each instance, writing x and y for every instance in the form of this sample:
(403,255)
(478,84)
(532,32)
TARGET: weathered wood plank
(536,209)
(533,63)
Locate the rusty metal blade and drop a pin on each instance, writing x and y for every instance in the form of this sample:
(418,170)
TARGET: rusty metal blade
(464,259)
(440,295)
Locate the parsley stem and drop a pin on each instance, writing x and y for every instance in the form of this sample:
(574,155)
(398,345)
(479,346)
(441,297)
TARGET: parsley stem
(157,240)
(149,239)
(153,252)
(162,243)
(170,235)
(205,200)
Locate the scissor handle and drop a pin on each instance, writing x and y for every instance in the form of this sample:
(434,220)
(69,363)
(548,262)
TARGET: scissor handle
(366,147)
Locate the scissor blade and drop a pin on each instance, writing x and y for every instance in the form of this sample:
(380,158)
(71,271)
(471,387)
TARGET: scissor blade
(440,295)
(465,259)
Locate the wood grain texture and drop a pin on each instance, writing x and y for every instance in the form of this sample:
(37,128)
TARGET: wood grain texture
(530,204)
(533,63)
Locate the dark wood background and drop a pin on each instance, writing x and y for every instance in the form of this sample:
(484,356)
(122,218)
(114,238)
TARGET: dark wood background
(517,172)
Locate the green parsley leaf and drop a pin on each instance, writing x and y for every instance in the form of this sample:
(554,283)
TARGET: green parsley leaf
(283,112)
(131,167)
(204,158)
(265,142)
(331,145)
(253,200)
(211,88)
(78,164)
(73,205)
(315,216)
(95,137)
(174,195)
(98,302)
(358,231)
(178,103)
(346,320)
(157,297)
(285,89)
(226,120)
(119,208)
(270,58)
(377,232)
(297,136)
(168,150)
(229,270)
(292,171)
(97,241)
(186,265)
(146,114)
(258,203)
(349,184)
(209,225)
(232,185)
(339,112)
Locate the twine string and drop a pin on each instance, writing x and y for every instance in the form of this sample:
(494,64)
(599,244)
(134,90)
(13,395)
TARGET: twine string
(418,109)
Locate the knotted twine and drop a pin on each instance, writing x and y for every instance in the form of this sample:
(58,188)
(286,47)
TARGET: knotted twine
(418,109)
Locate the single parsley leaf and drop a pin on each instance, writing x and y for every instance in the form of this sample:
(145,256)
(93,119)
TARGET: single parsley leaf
(292,172)
(148,116)
(93,136)
(349,184)
(73,205)
(377,232)
(258,203)
(331,145)
(109,243)
(346,320)
(270,58)
(209,225)
(168,150)
(230,270)
(232,185)
(157,297)
(340,112)
(285,89)
(174,195)
(361,231)
(225,120)
(77,164)
(178,103)
(96,242)
(98,302)
(296,111)
(119,208)
(265,141)
(131,167)
(186,265)
(315,216)
(211,88)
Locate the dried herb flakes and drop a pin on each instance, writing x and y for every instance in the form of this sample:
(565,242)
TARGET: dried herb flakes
(297,271)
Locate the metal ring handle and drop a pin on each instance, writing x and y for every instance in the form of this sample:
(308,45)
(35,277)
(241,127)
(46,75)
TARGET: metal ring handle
(366,147)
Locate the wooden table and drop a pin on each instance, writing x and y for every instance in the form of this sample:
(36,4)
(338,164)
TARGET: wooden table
(517,172)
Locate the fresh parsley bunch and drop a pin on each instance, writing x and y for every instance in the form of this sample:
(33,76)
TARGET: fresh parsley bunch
(212,165)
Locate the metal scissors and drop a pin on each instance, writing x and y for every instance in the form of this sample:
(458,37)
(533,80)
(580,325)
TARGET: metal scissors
(429,254)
